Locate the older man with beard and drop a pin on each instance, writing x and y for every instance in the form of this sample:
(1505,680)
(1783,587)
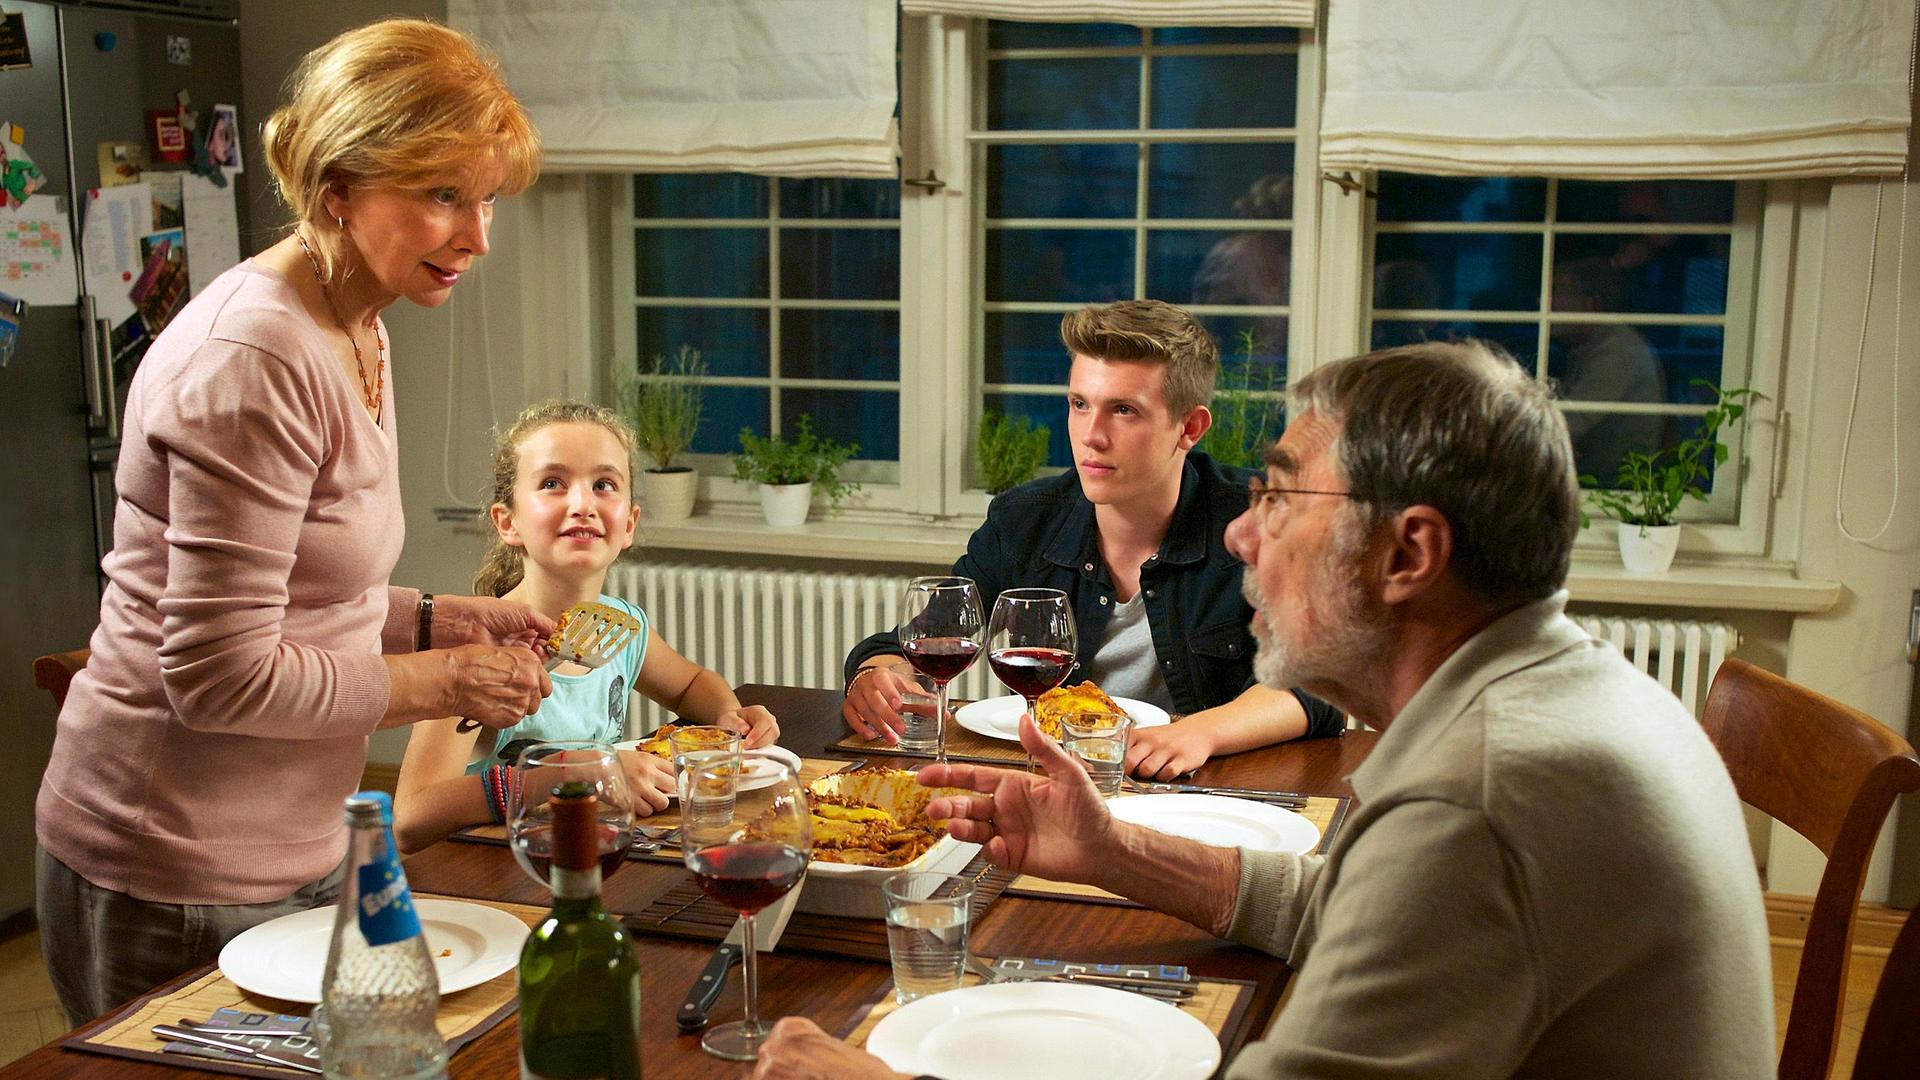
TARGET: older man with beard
(1547,874)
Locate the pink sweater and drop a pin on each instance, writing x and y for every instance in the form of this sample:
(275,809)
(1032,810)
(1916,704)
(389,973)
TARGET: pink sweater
(204,752)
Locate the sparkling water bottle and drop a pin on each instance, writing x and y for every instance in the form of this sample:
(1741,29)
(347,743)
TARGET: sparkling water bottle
(380,991)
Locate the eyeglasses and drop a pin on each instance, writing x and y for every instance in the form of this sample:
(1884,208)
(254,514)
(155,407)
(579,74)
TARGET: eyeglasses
(1260,497)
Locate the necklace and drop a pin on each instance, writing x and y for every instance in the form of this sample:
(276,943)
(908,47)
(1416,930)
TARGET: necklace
(370,388)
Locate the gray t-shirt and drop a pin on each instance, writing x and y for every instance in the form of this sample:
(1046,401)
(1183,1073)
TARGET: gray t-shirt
(1125,665)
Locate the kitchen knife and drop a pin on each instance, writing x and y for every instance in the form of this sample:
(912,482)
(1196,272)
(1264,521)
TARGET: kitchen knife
(772,922)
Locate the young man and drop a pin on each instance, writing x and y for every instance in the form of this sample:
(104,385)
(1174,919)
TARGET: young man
(1135,536)
(1548,873)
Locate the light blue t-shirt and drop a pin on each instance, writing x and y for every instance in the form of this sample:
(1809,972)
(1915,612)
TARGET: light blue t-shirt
(589,706)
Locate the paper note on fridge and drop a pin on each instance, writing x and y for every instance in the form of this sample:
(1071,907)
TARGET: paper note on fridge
(115,221)
(213,230)
(36,254)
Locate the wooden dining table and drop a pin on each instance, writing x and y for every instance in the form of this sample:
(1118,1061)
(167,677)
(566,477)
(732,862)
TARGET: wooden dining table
(834,991)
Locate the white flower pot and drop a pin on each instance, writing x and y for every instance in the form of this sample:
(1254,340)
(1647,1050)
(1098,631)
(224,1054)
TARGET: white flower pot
(1648,549)
(785,505)
(668,496)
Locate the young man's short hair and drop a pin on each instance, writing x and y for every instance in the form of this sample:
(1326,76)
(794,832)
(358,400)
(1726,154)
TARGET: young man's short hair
(1150,330)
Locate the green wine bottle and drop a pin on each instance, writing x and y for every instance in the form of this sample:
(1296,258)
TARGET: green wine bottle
(579,978)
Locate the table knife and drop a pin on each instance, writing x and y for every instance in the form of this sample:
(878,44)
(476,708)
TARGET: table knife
(177,1034)
(1207,789)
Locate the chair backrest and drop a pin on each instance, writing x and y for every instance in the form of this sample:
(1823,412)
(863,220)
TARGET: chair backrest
(54,673)
(1890,1043)
(1830,773)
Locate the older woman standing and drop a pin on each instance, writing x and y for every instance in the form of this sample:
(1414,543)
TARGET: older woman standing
(249,641)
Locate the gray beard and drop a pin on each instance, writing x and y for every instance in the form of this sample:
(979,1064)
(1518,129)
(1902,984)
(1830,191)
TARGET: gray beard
(1346,641)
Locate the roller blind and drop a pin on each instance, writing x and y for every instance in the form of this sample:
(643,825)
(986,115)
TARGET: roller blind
(776,87)
(1630,89)
(1135,12)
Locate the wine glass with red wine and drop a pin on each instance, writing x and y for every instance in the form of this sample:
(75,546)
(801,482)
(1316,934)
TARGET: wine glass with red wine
(940,634)
(1031,641)
(747,844)
(545,766)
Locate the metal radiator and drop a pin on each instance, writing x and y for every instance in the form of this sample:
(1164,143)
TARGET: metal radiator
(794,628)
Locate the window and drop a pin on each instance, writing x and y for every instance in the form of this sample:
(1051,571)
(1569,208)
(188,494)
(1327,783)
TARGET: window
(1621,294)
(1123,162)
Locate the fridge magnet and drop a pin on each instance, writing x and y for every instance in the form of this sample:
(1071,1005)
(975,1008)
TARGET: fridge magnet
(166,139)
(19,176)
(121,163)
(223,140)
(162,286)
(14,52)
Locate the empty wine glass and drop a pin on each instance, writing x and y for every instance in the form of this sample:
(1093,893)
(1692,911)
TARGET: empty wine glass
(940,634)
(746,845)
(545,766)
(1031,641)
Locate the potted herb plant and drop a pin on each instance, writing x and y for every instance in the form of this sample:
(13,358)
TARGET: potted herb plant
(787,471)
(1649,487)
(664,403)
(1247,408)
(1008,451)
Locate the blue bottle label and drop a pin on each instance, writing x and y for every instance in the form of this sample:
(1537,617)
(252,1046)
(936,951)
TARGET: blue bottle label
(386,906)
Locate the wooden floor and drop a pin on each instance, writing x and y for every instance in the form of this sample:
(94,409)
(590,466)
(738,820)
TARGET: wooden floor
(30,1016)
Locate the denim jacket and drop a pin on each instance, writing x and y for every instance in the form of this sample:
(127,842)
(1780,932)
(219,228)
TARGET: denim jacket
(1042,535)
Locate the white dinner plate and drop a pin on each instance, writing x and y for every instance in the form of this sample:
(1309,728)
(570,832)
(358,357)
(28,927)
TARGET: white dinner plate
(1045,1031)
(758,774)
(286,958)
(999,717)
(1222,821)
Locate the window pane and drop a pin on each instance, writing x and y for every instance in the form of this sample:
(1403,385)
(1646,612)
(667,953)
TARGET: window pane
(840,264)
(839,344)
(1026,35)
(1226,35)
(1269,341)
(1404,197)
(1080,94)
(1520,340)
(732,341)
(727,409)
(1651,272)
(1471,271)
(1205,267)
(1705,202)
(1224,91)
(700,262)
(1080,265)
(870,418)
(839,198)
(1646,364)
(1234,180)
(1049,411)
(676,195)
(1025,348)
(1062,181)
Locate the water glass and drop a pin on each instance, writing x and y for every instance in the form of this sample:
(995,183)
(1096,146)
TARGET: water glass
(927,917)
(1098,741)
(920,708)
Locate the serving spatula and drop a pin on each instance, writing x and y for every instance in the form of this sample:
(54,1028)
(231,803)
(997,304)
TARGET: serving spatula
(590,634)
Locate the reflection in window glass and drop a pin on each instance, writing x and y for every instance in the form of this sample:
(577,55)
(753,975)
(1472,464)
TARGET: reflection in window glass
(1187,266)
(1405,197)
(1079,265)
(1704,202)
(1219,180)
(1092,181)
(1659,272)
(1224,91)
(1466,271)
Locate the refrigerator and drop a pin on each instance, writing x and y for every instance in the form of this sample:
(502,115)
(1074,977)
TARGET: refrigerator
(96,70)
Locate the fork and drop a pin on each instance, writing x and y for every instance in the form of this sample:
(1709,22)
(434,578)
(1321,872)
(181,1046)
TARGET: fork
(590,635)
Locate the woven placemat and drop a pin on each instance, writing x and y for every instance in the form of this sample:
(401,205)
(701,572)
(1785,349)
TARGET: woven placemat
(464,1016)
(1326,813)
(962,745)
(685,912)
(1221,1004)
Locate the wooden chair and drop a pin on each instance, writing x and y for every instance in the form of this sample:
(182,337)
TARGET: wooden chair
(55,672)
(1890,1043)
(1829,773)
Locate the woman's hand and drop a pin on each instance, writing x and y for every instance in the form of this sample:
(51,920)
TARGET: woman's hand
(798,1050)
(752,721)
(497,686)
(651,780)
(487,620)
(872,707)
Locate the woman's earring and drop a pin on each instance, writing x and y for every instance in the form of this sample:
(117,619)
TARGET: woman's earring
(343,223)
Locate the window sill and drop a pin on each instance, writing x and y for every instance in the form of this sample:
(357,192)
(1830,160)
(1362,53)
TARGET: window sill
(879,537)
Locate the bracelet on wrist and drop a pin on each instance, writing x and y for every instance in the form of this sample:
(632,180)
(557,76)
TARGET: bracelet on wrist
(423,638)
(857,672)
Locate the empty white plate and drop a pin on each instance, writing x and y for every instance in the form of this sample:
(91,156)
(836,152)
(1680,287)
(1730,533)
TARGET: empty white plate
(286,958)
(1220,820)
(999,717)
(1045,1031)
(758,775)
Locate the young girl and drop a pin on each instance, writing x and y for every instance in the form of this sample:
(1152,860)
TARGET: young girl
(563,506)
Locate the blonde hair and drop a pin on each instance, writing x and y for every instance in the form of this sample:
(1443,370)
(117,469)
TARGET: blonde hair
(1153,331)
(504,565)
(392,103)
